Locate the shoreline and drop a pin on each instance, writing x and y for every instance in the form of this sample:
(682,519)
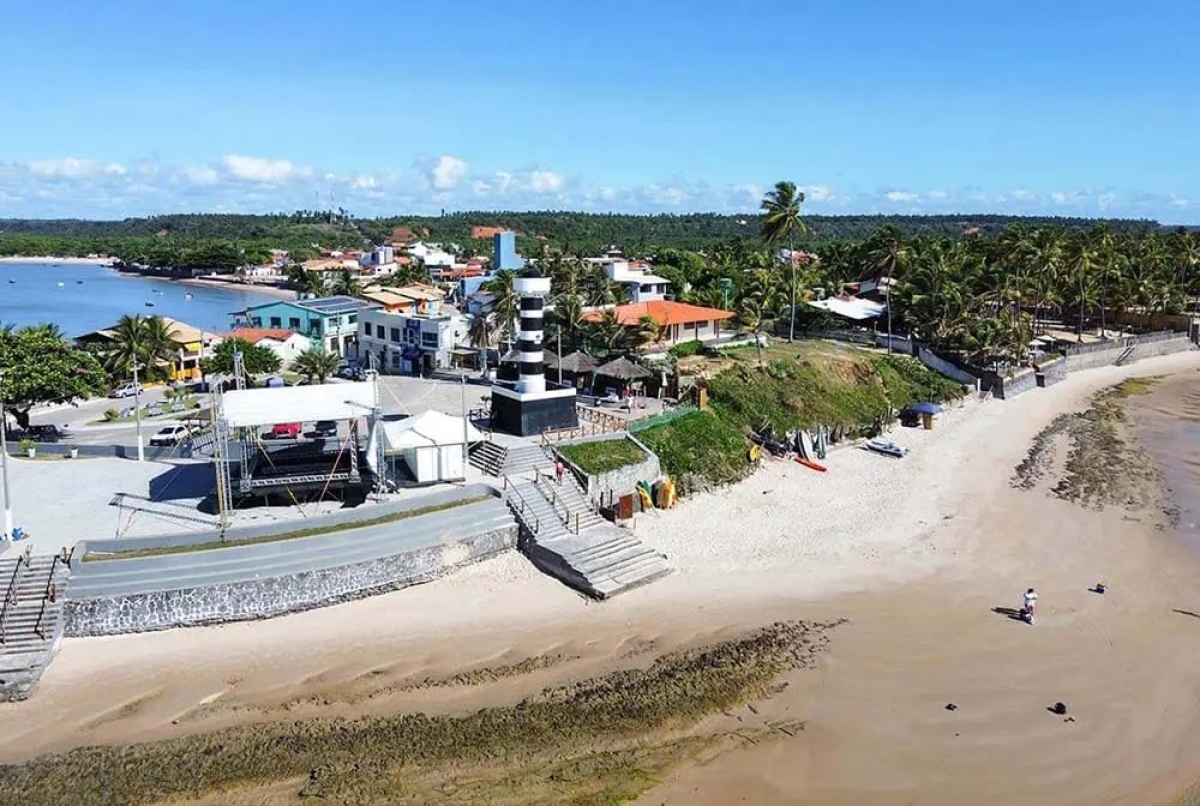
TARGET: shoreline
(265,290)
(46,260)
(915,552)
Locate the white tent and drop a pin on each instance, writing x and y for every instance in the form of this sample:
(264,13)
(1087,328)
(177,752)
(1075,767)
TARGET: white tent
(431,443)
(297,404)
(851,308)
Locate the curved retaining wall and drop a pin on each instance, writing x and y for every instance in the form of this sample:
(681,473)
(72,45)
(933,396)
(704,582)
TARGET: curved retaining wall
(270,579)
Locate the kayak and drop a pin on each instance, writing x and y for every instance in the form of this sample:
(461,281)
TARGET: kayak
(810,464)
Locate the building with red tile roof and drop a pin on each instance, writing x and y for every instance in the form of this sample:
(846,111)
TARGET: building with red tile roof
(678,322)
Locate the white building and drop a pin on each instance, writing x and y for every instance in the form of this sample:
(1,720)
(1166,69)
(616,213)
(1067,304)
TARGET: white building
(643,286)
(398,343)
(287,344)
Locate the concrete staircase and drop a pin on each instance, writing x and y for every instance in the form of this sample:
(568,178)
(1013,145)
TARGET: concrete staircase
(593,557)
(31,621)
(497,460)
(1125,355)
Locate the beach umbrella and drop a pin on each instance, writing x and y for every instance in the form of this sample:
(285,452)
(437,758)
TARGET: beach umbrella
(926,408)
(513,356)
(578,362)
(622,369)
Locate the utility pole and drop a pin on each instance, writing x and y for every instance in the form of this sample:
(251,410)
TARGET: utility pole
(462,376)
(137,412)
(8,516)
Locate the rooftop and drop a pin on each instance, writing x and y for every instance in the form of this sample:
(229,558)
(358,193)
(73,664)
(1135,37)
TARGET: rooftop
(663,312)
(254,335)
(329,306)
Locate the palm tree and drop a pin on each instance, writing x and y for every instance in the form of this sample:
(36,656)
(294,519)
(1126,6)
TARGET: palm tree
(749,315)
(315,363)
(482,333)
(1082,263)
(345,284)
(306,281)
(887,253)
(781,223)
(145,339)
(506,304)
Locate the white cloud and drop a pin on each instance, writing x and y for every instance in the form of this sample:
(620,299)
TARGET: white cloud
(1105,200)
(937,195)
(546,182)
(72,168)
(361,182)
(265,171)
(901,196)
(201,175)
(817,193)
(1178,202)
(448,172)
(1024,196)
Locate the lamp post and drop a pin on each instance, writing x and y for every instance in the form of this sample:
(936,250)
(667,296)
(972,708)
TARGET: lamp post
(137,412)
(8,516)
(466,421)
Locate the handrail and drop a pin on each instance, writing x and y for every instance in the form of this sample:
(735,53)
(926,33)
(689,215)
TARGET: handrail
(524,505)
(10,593)
(50,594)
(555,499)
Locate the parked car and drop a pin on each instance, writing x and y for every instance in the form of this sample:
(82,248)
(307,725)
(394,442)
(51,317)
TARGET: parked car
(43,433)
(171,435)
(352,373)
(284,431)
(127,390)
(326,428)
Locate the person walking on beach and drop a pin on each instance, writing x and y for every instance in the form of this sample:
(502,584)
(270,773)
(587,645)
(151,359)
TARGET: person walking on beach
(1030,603)
(559,469)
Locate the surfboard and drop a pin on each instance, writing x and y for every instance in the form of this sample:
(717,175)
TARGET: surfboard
(810,464)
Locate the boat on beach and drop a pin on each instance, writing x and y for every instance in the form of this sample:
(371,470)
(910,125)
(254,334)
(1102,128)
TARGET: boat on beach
(887,448)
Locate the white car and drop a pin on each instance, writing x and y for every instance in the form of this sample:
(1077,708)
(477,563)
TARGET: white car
(127,390)
(171,435)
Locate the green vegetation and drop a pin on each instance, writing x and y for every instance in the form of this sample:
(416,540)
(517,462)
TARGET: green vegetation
(315,364)
(688,349)
(811,384)
(314,531)
(595,458)
(39,366)
(600,741)
(256,359)
(699,450)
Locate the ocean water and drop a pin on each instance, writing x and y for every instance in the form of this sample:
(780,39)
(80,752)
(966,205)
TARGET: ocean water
(81,298)
(1169,426)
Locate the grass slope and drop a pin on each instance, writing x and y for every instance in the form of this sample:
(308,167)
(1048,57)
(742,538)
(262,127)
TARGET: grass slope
(603,456)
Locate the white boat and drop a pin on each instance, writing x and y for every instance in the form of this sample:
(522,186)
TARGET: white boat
(887,448)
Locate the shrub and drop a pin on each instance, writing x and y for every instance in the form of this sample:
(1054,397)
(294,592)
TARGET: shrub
(688,348)
(603,456)
(699,451)
(111,415)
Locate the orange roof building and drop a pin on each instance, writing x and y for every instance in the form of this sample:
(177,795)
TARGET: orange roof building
(678,322)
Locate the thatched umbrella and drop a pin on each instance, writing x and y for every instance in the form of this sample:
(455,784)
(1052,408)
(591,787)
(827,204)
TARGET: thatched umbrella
(578,363)
(622,369)
(549,359)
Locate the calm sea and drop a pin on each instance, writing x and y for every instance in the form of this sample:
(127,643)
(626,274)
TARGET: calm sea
(1169,416)
(81,298)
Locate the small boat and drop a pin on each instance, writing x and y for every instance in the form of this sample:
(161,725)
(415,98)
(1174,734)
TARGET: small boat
(79,282)
(149,304)
(188,295)
(12,282)
(887,448)
(60,285)
(809,463)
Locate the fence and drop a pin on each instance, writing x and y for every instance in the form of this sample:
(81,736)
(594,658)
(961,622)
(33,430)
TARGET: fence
(661,419)
(1128,341)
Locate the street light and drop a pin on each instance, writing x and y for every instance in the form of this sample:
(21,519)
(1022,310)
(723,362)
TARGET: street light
(8,516)
(137,411)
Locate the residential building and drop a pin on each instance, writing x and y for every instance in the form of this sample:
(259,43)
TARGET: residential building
(643,286)
(677,322)
(331,323)
(416,298)
(504,251)
(402,236)
(408,344)
(192,345)
(287,344)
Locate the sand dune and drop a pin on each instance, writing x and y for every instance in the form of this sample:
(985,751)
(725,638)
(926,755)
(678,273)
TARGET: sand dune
(916,553)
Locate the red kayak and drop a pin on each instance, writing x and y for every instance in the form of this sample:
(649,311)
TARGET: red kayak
(800,460)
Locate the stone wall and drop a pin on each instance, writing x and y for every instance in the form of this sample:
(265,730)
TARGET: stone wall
(1006,388)
(275,596)
(945,368)
(1052,372)
(623,480)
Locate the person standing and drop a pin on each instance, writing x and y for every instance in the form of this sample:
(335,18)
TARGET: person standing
(559,469)
(1030,603)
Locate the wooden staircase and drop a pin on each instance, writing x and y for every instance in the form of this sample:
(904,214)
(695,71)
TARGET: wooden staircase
(31,619)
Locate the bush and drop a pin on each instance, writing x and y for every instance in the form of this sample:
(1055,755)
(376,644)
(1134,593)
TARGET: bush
(688,348)
(603,456)
(111,415)
(698,451)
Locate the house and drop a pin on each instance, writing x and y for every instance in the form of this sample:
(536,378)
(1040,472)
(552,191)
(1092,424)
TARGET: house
(416,298)
(635,276)
(287,344)
(504,252)
(678,322)
(402,236)
(331,323)
(409,344)
(192,345)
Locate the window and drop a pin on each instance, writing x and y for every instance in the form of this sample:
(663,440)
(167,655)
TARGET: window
(256,321)
(276,322)
(395,335)
(395,361)
(689,325)
(379,332)
(429,340)
(294,323)
(352,318)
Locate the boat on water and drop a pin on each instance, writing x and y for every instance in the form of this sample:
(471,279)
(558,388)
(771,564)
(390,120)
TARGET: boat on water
(12,282)
(60,285)
(149,304)
(188,295)
(79,282)
(887,448)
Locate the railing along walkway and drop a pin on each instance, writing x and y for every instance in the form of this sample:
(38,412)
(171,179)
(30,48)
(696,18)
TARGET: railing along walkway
(524,509)
(10,592)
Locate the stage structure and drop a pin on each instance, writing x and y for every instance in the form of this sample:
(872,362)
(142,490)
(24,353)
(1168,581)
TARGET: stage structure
(300,464)
(528,407)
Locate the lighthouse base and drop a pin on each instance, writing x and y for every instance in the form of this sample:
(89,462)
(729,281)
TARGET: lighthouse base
(530,414)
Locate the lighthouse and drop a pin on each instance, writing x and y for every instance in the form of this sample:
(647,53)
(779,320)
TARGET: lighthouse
(528,407)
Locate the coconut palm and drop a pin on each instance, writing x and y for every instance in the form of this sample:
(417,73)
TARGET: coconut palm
(345,284)
(316,364)
(505,306)
(482,334)
(781,223)
(888,254)
(144,339)
(306,281)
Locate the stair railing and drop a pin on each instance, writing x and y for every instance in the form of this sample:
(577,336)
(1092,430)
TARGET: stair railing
(543,483)
(49,594)
(10,592)
(523,508)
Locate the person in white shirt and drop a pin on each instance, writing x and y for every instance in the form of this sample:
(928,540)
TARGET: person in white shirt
(1030,603)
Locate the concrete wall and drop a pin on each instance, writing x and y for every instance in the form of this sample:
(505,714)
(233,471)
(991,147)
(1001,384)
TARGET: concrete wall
(899,345)
(343,517)
(944,367)
(617,482)
(1150,346)
(1052,372)
(277,595)
(1006,388)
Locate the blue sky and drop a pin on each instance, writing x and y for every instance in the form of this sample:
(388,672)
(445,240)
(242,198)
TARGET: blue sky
(140,106)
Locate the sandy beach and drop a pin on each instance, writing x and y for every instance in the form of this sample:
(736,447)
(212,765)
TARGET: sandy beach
(266,290)
(924,556)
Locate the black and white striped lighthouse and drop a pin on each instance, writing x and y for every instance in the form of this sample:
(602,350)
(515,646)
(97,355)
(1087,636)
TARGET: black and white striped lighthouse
(532,288)
(527,407)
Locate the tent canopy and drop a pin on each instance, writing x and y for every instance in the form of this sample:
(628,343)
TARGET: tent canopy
(622,369)
(852,308)
(428,429)
(244,408)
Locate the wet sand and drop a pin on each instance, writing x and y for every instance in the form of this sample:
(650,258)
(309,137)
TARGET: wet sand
(922,598)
